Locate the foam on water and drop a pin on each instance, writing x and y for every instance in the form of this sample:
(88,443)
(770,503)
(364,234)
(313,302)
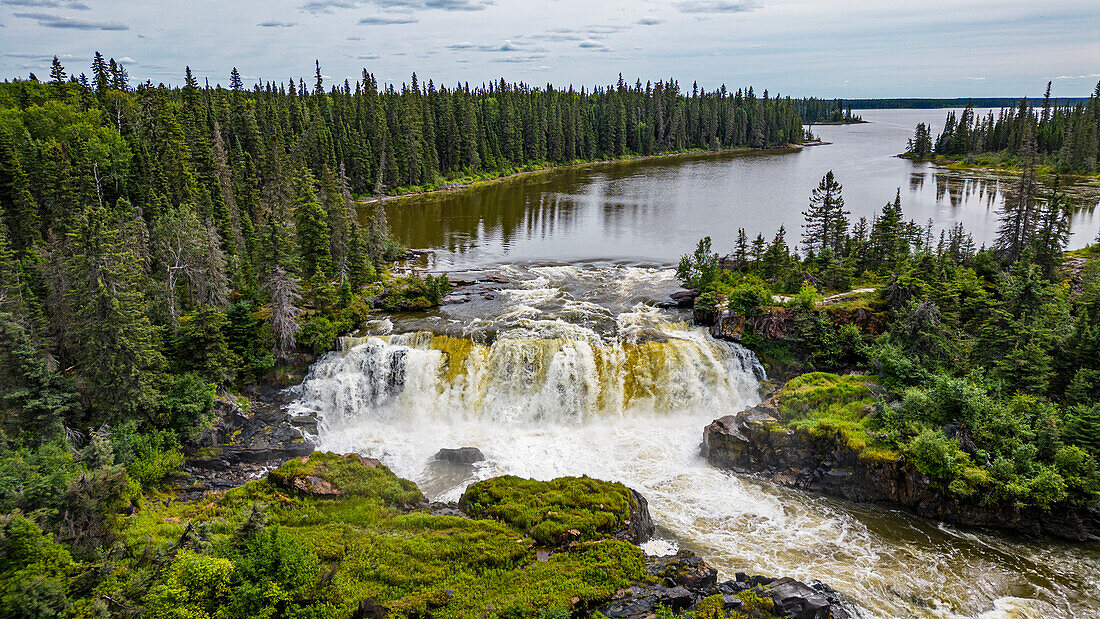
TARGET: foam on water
(551,396)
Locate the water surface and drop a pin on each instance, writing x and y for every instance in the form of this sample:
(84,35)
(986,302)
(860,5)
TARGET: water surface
(653,211)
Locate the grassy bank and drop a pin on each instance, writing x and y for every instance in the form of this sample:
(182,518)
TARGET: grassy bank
(321,536)
(1003,164)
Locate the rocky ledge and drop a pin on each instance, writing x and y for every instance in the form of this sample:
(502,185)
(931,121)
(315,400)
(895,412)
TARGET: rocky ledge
(242,445)
(756,441)
(685,582)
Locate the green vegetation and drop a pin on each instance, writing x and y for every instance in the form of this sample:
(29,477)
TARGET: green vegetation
(591,508)
(980,368)
(753,606)
(414,293)
(1061,137)
(264,550)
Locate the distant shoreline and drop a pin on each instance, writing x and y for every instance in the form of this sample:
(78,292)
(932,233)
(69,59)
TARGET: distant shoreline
(482,182)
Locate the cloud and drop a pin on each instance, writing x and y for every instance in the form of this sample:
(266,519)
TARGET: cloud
(650,21)
(277,24)
(128,60)
(506,46)
(48,4)
(56,21)
(590,44)
(382,20)
(316,7)
(976,79)
(715,6)
(1077,77)
(368,57)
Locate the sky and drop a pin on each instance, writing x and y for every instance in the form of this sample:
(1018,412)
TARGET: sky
(822,48)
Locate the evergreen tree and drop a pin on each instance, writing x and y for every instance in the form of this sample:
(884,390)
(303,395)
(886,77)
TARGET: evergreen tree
(235,82)
(1052,232)
(826,219)
(1020,212)
(312,229)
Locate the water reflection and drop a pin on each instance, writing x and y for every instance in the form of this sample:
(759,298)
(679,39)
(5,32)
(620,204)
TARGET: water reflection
(653,211)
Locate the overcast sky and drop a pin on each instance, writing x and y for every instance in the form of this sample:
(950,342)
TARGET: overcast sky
(826,48)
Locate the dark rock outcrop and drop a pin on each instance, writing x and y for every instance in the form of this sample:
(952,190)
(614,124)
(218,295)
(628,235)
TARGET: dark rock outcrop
(639,527)
(462,455)
(680,582)
(239,447)
(755,441)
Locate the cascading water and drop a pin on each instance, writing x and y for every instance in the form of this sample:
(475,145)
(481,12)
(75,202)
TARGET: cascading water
(565,371)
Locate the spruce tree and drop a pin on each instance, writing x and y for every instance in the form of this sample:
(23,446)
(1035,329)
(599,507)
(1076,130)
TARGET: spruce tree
(1019,214)
(312,229)
(826,219)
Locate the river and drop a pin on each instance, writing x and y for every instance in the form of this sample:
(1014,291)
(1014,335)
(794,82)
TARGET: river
(562,364)
(653,211)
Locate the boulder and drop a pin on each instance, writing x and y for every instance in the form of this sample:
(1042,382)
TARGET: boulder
(462,455)
(684,580)
(640,524)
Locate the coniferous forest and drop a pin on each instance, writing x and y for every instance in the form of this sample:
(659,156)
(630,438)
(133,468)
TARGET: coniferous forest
(160,246)
(1065,138)
(171,256)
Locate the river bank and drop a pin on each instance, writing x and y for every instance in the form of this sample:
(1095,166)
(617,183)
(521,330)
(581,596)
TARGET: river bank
(760,441)
(500,177)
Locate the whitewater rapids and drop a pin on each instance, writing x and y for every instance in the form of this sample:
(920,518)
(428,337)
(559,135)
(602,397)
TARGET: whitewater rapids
(568,372)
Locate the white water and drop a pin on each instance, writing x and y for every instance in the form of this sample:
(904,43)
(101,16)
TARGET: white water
(572,384)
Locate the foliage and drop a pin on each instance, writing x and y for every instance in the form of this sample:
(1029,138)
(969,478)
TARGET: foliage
(591,507)
(413,292)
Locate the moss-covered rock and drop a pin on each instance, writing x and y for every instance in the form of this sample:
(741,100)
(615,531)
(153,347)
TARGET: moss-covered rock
(561,511)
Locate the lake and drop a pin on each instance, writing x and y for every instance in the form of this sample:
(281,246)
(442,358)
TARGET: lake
(654,210)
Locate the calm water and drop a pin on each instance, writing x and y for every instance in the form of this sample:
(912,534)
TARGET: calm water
(652,212)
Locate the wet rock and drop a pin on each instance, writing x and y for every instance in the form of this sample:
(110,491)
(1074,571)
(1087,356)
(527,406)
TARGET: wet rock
(462,455)
(684,580)
(642,601)
(640,525)
(455,299)
(683,299)
(798,600)
(240,446)
(684,569)
(447,509)
(756,441)
(306,423)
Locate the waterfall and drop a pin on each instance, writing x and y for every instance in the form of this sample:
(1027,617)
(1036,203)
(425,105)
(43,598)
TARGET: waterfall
(552,372)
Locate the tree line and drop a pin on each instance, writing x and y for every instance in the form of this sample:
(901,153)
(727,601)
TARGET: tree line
(1064,136)
(990,356)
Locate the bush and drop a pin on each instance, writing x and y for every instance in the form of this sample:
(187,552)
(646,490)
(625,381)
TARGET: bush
(807,298)
(318,335)
(749,299)
(186,403)
(150,456)
(33,569)
(414,293)
(935,455)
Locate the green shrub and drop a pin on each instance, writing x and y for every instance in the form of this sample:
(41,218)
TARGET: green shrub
(186,403)
(150,456)
(935,455)
(414,293)
(318,335)
(749,299)
(33,570)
